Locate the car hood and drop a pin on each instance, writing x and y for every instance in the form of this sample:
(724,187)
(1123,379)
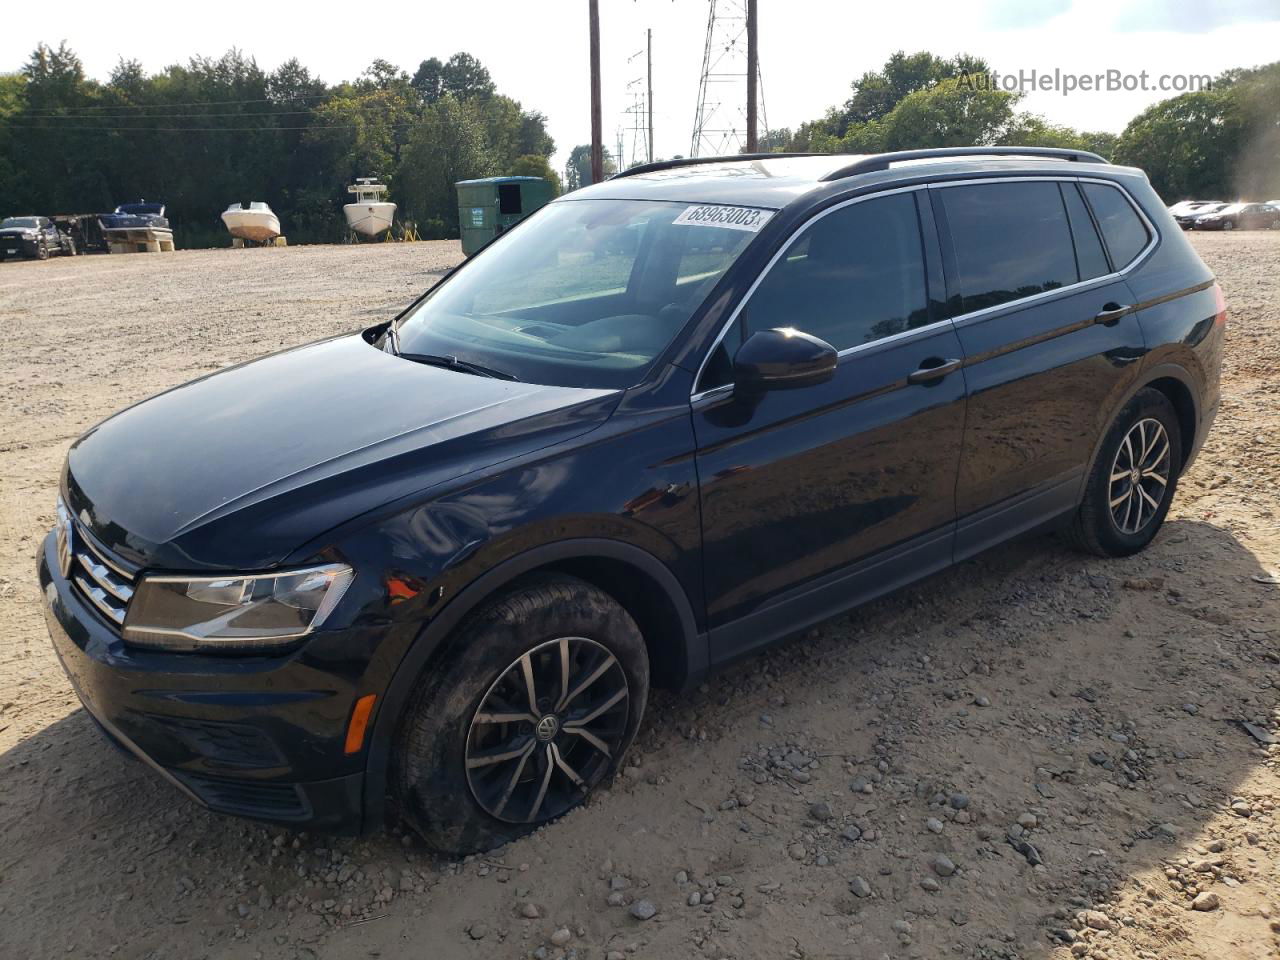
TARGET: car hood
(240,468)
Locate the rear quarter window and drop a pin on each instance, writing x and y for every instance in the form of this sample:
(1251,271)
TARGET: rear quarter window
(1125,234)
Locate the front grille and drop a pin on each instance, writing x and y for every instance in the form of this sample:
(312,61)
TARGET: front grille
(103,582)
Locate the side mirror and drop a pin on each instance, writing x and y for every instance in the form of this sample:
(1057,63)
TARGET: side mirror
(781,359)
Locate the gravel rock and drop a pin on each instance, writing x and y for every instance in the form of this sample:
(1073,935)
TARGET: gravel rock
(643,910)
(859,887)
(820,811)
(561,937)
(943,865)
(1205,901)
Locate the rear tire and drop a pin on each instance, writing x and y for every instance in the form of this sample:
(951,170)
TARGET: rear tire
(1133,481)
(467,781)
(42,251)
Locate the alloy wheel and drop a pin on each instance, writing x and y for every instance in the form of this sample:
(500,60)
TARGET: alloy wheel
(547,730)
(1140,475)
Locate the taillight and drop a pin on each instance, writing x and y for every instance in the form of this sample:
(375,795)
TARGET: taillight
(1219,307)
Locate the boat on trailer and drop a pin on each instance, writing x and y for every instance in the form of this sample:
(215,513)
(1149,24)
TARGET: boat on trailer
(254,222)
(369,215)
(135,225)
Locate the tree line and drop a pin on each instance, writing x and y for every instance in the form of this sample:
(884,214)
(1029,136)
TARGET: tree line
(201,135)
(1219,143)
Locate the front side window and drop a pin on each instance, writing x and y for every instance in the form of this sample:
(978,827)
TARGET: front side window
(851,277)
(1011,240)
(586,293)
(1125,233)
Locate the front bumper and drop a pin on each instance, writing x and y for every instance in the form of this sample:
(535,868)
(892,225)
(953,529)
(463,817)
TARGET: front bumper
(12,246)
(258,737)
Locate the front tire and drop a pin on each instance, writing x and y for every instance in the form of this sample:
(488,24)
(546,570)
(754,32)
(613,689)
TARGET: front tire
(541,695)
(42,251)
(1133,481)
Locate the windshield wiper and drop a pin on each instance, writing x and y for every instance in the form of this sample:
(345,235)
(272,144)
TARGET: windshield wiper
(453,363)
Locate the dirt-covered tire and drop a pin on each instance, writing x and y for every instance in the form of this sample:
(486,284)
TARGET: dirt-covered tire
(1133,480)
(42,251)
(475,706)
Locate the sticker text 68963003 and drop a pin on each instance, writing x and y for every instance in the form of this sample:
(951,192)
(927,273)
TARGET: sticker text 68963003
(750,219)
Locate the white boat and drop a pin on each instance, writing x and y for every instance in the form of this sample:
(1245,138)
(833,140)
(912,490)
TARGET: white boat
(369,215)
(254,222)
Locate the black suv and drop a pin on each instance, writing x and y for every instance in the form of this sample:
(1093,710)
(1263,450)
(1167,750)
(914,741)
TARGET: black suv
(34,238)
(434,567)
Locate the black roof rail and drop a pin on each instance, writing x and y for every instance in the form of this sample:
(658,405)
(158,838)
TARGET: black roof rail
(691,161)
(881,161)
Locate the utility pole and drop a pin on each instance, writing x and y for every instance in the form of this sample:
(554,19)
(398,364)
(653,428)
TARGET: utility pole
(753,67)
(649,47)
(597,144)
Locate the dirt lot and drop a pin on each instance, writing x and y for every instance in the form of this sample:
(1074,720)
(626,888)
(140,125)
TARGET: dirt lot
(881,788)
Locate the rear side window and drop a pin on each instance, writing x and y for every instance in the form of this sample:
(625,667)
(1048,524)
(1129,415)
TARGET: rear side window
(1090,256)
(852,277)
(1122,228)
(1011,240)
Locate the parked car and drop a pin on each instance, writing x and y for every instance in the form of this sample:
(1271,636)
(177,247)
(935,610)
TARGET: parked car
(34,238)
(1185,206)
(1239,216)
(435,566)
(1187,218)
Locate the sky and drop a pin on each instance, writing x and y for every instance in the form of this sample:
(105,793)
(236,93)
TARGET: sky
(810,50)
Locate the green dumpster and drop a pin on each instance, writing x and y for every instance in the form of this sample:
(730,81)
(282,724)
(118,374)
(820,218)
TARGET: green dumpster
(488,207)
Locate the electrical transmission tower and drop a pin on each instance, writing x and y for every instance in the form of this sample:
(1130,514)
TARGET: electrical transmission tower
(637,118)
(720,125)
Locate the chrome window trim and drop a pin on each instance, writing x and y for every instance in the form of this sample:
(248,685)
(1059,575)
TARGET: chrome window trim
(963,318)
(795,234)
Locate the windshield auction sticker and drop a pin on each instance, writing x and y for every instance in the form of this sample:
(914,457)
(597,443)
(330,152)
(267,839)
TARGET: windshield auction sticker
(750,219)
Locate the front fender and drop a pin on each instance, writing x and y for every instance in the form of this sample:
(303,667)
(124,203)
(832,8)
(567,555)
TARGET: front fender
(689,644)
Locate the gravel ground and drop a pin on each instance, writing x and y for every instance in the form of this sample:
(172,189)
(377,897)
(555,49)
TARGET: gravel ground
(1034,754)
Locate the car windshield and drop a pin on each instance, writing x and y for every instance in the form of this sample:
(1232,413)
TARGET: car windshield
(586,293)
(19,222)
(1232,208)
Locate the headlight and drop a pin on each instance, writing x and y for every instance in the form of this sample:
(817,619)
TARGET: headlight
(62,537)
(233,613)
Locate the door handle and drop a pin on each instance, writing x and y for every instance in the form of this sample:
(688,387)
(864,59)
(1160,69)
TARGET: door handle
(1111,314)
(933,369)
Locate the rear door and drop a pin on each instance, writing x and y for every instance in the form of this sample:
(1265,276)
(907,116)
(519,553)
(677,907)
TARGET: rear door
(1050,345)
(814,498)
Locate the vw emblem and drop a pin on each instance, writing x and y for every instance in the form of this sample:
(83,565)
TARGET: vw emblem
(547,727)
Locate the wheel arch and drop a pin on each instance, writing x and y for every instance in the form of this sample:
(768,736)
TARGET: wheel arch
(643,585)
(1176,383)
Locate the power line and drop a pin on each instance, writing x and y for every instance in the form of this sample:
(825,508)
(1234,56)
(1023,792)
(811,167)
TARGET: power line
(196,103)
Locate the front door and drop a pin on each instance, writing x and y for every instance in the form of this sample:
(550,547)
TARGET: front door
(814,497)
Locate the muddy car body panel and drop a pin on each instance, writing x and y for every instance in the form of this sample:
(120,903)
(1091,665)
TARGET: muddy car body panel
(723,502)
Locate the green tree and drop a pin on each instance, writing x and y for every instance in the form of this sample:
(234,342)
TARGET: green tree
(578,169)
(465,78)
(1187,144)
(447,145)
(534,165)
(947,114)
